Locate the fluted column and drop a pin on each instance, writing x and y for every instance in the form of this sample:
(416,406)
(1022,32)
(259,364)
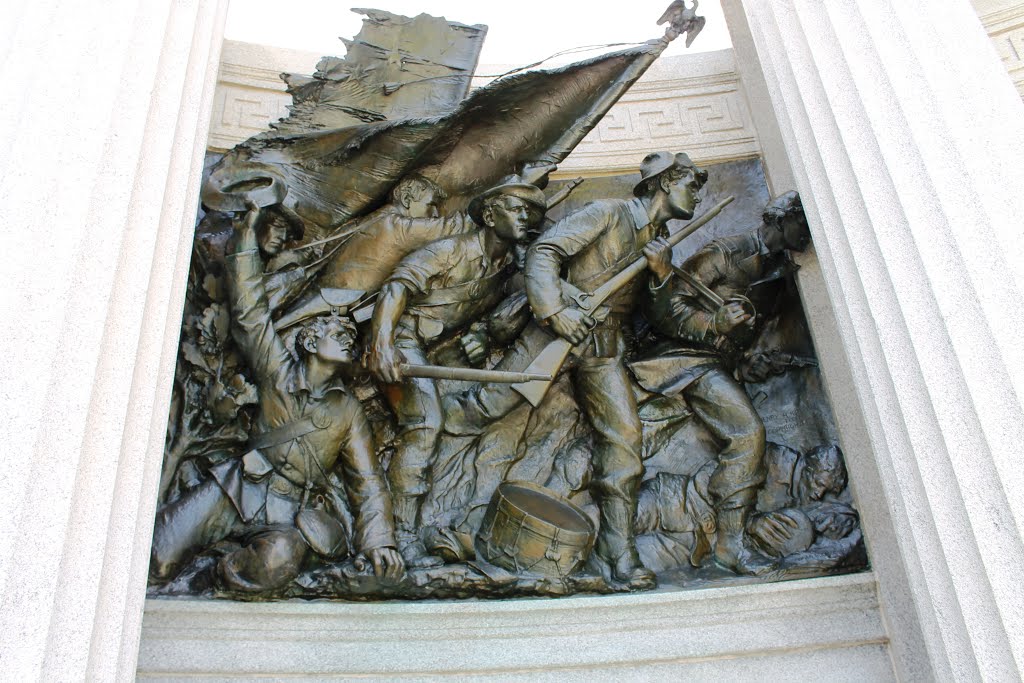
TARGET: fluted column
(102,133)
(906,139)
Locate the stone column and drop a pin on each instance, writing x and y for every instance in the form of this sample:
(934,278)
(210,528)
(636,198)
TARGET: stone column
(906,139)
(102,135)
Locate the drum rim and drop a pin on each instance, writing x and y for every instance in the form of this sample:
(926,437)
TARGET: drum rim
(589,533)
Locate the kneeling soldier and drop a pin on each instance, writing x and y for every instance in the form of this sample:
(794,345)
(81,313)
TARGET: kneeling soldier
(309,433)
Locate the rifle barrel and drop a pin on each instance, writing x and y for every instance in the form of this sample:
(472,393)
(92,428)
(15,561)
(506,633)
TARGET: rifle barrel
(699,286)
(471,374)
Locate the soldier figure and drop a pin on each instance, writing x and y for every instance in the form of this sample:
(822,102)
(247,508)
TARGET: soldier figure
(803,514)
(815,482)
(409,222)
(706,311)
(281,498)
(277,226)
(433,294)
(592,245)
(366,258)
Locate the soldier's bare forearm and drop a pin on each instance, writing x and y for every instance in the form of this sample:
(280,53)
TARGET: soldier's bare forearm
(509,318)
(384,360)
(389,308)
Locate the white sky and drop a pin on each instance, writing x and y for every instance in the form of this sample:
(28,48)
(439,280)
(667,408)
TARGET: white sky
(519,32)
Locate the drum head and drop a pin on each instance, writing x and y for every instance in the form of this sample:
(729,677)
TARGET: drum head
(531,529)
(547,506)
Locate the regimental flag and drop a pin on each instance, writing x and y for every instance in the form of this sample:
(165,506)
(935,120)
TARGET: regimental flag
(337,175)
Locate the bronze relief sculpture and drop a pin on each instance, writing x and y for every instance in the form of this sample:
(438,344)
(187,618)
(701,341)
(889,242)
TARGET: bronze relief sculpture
(414,366)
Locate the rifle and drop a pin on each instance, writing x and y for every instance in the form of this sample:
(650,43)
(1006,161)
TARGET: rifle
(710,297)
(471,374)
(553,356)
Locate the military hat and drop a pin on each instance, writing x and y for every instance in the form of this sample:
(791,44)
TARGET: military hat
(511,186)
(656,163)
(319,302)
(230,186)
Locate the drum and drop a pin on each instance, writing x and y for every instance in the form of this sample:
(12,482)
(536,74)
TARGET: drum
(531,529)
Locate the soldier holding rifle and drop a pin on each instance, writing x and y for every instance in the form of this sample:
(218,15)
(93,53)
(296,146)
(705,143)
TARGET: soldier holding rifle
(434,293)
(705,309)
(592,245)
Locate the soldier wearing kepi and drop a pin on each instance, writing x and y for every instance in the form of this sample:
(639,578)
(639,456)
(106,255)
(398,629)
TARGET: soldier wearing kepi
(281,499)
(434,293)
(592,245)
(705,309)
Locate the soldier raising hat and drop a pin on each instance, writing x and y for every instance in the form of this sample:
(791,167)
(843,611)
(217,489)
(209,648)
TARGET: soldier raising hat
(229,188)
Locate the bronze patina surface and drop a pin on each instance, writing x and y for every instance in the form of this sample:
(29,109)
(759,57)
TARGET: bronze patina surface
(412,368)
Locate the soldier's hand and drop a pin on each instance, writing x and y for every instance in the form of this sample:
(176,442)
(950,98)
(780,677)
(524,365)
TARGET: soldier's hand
(387,564)
(244,237)
(509,318)
(731,315)
(474,344)
(836,525)
(572,324)
(252,214)
(774,527)
(385,362)
(659,258)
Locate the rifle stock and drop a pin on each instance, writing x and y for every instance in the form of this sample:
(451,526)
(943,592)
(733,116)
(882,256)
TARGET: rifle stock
(550,360)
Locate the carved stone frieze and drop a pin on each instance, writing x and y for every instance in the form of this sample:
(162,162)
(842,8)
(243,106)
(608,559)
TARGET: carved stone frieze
(692,102)
(1005,26)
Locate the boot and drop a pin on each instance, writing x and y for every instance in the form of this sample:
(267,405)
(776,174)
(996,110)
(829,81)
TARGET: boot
(732,550)
(616,545)
(406,534)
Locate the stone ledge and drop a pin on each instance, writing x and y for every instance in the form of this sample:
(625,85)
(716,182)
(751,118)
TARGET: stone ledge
(813,619)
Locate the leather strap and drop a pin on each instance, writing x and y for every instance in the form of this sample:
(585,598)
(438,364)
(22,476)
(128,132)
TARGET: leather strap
(283,434)
(470,291)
